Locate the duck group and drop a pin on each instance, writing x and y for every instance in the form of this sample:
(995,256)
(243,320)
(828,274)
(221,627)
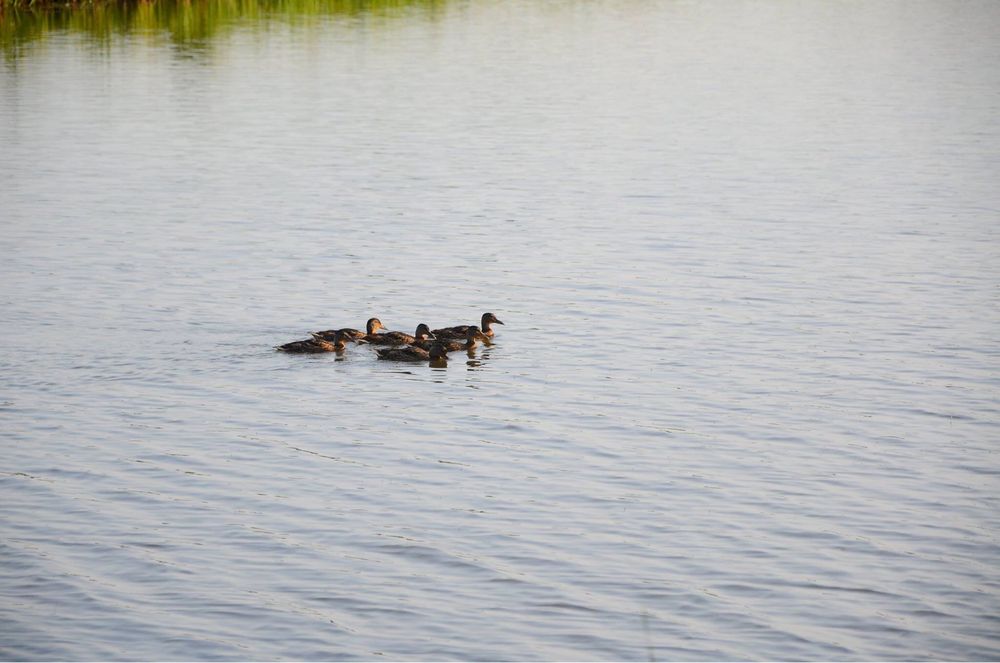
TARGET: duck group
(423,345)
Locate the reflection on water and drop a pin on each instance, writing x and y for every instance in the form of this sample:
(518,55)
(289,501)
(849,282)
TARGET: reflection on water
(189,24)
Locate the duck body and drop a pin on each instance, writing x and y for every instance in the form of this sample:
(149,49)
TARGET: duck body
(317,344)
(422,332)
(330,334)
(356,335)
(409,353)
(309,346)
(412,353)
(340,340)
(472,336)
(388,338)
(458,332)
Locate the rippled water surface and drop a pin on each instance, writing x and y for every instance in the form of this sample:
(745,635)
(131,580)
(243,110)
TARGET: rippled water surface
(744,405)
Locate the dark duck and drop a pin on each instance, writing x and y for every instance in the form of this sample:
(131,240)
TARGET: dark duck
(436,354)
(458,332)
(316,345)
(422,333)
(472,337)
(373,325)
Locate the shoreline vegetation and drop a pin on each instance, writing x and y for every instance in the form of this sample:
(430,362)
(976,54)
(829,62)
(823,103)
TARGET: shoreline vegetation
(183,22)
(332,6)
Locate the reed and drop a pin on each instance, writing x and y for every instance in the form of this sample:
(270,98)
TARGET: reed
(186,22)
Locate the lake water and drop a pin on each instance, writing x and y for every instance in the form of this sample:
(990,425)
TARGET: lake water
(745,405)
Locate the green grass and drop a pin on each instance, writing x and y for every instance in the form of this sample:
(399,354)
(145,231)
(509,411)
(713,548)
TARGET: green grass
(185,22)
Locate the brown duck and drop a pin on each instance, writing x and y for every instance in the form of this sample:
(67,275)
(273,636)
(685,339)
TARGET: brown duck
(437,353)
(458,332)
(472,336)
(373,325)
(422,333)
(316,345)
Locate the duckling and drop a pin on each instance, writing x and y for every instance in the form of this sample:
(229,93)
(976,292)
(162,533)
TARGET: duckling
(356,335)
(422,333)
(437,353)
(458,332)
(472,335)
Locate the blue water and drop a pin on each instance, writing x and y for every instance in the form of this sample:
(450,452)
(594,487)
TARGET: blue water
(744,405)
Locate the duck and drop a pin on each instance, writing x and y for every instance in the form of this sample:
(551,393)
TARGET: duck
(339,341)
(356,335)
(422,333)
(315,345)
(437,353)
(472,336)
(371,327)
(458,332)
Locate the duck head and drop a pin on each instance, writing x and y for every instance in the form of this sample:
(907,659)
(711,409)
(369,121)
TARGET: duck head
(423,332)
(489,318)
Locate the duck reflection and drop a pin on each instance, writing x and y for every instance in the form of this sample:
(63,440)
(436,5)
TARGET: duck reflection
(478,363)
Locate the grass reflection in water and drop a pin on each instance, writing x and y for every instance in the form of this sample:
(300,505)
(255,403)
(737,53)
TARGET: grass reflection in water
(184,22)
